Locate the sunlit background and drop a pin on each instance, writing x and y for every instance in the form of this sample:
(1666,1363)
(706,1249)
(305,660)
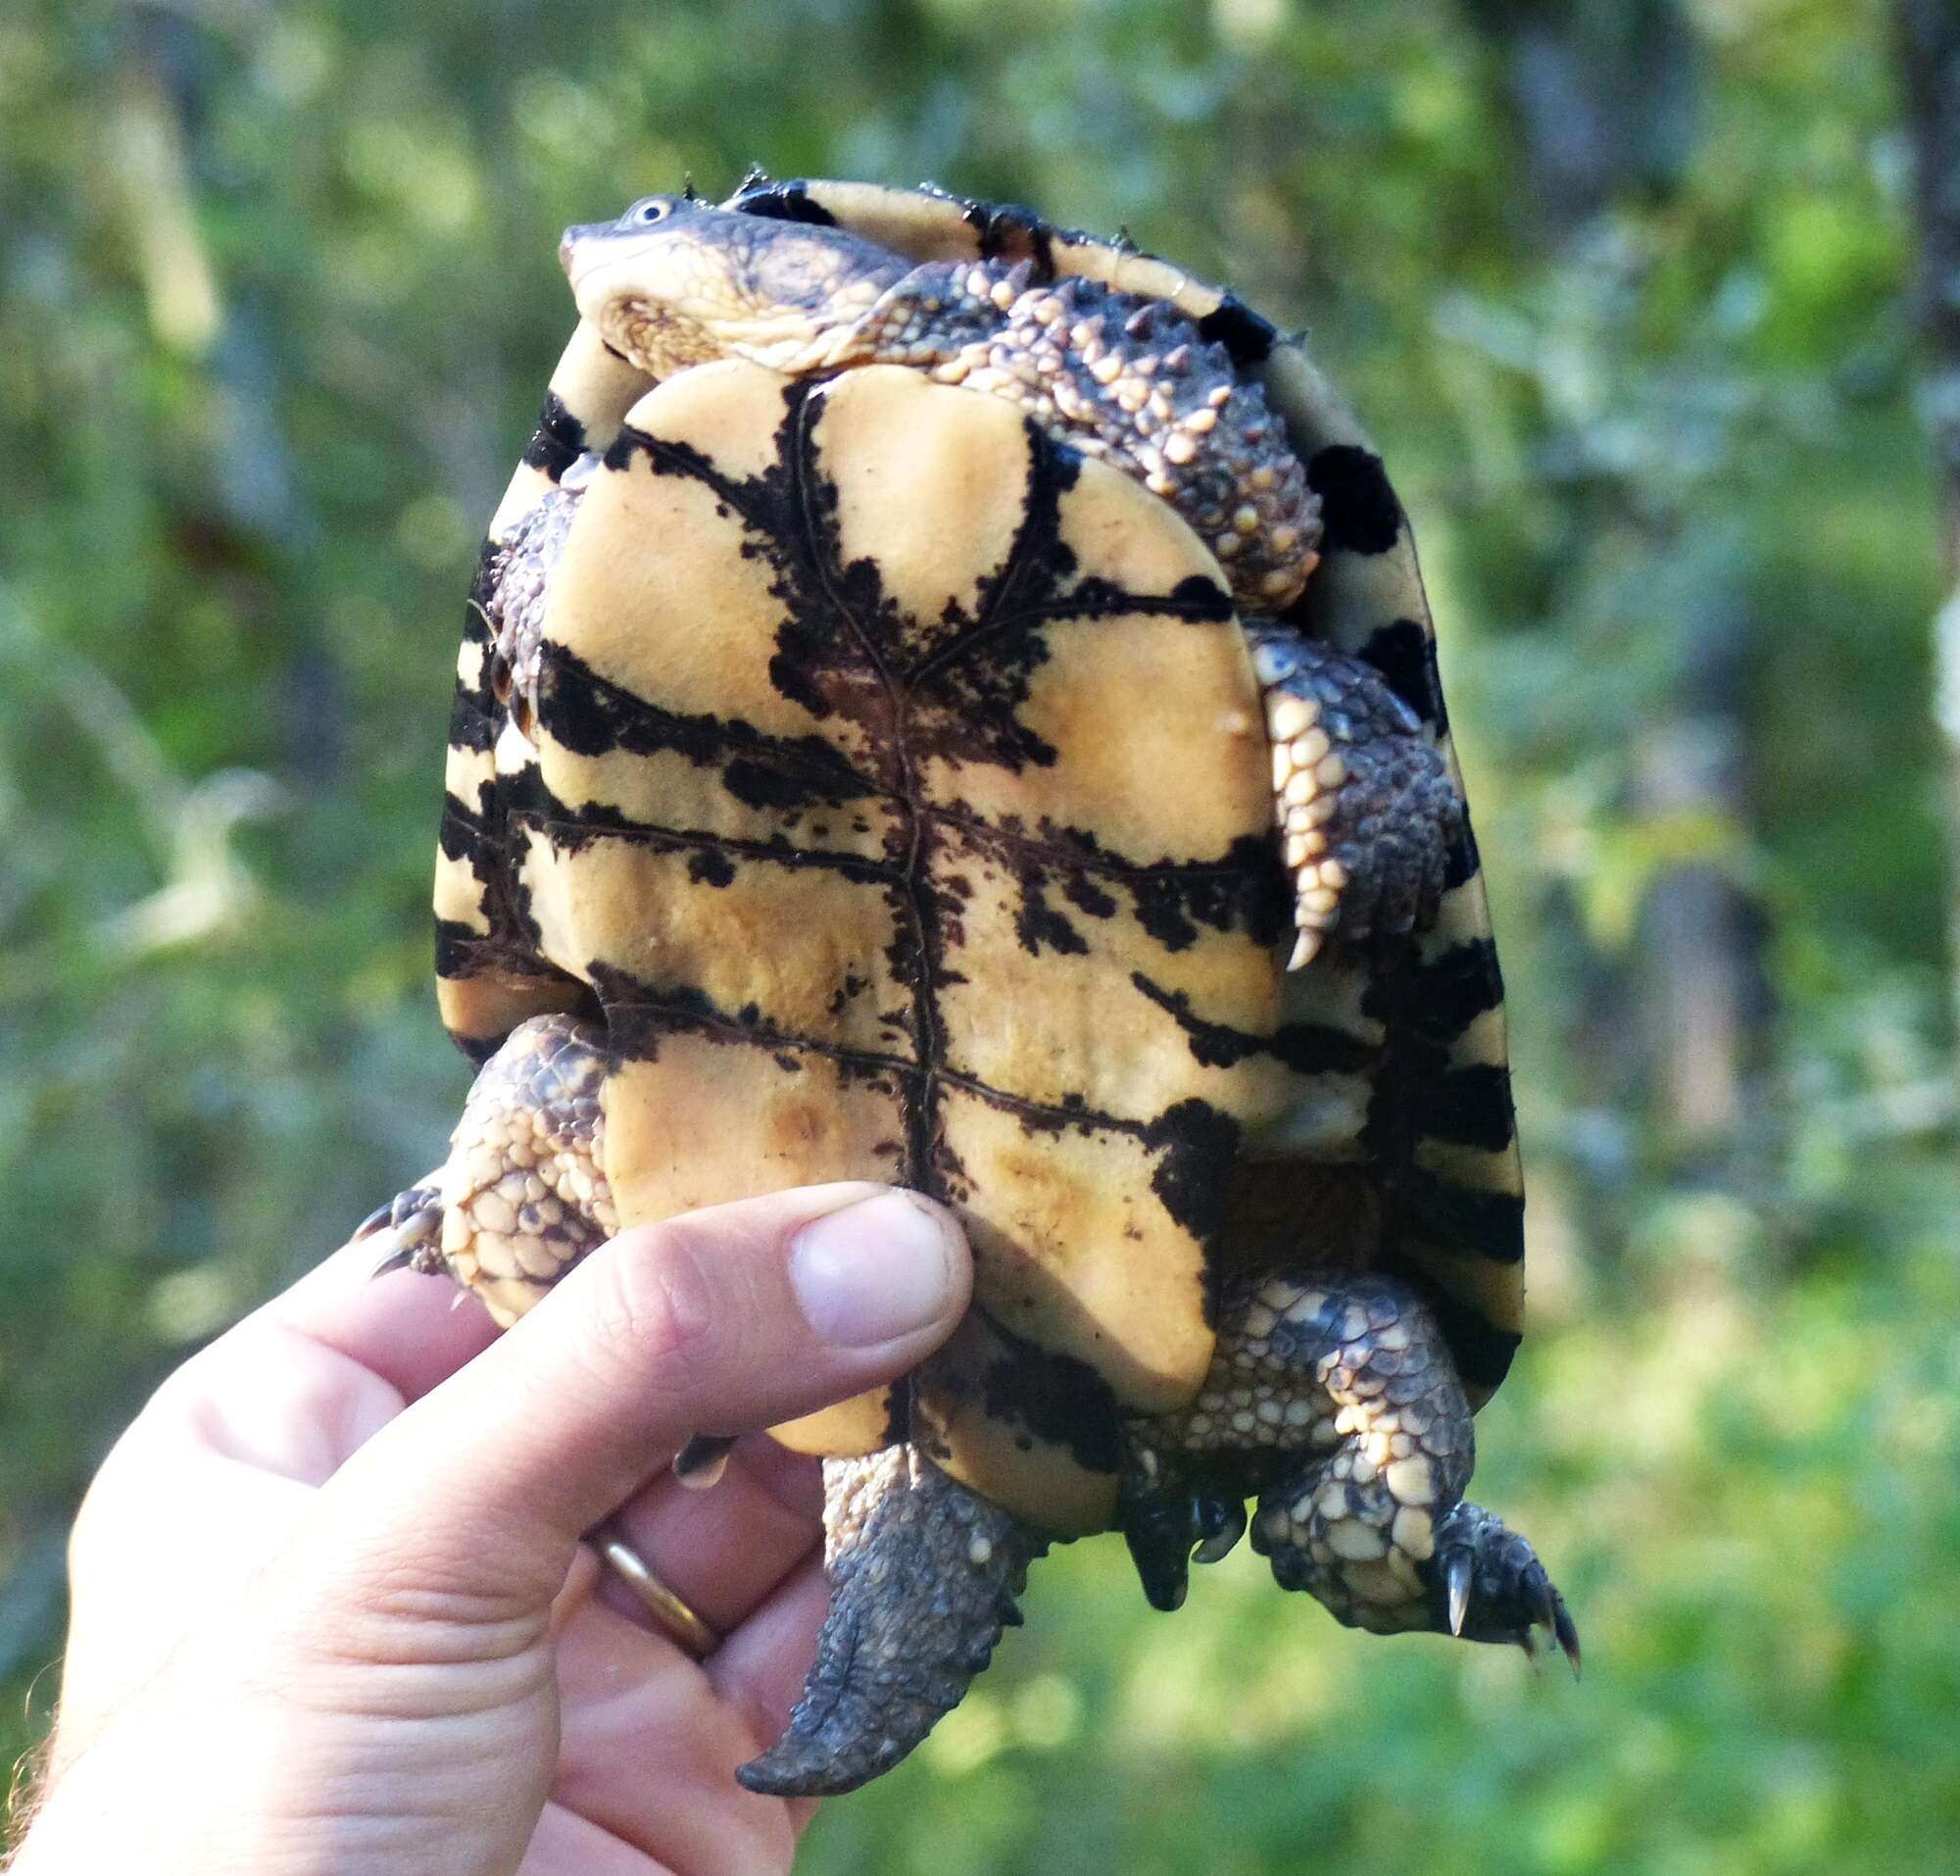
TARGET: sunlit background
(1623,290)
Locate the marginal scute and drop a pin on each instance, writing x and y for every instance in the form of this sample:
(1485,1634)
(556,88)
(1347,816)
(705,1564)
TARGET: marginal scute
(1359,509)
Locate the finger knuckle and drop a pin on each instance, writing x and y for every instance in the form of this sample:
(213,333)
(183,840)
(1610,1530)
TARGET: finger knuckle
(658,1311)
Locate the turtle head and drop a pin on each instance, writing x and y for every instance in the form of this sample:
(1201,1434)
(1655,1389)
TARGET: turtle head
(676,282)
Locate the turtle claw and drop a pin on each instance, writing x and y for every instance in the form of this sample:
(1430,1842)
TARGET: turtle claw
(700,1462)
(1458,1573)
(397,1211)
(397,1257)
(1221,1524)
(412,1223)
(1171,1527)
(1492,1588)
(1566,1632)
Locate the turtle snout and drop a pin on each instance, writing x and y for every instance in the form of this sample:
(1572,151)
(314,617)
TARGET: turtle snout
(575,238)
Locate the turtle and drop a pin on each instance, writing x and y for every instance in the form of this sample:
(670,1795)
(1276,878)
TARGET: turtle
(950,700)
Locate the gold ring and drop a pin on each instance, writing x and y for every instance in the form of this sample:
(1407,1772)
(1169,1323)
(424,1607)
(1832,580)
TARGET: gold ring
(676,1620)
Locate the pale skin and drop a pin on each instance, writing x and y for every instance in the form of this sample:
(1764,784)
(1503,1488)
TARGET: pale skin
(332,1606)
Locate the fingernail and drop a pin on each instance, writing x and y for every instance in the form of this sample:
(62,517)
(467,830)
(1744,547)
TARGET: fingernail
(876,1270)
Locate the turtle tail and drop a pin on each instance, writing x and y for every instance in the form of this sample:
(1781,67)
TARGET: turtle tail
(923,1575)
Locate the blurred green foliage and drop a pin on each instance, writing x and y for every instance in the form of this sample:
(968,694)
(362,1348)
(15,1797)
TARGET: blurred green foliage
(1620,287)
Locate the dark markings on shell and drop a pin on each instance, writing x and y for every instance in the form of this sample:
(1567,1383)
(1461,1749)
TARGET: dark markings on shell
(456,948)
(1405,656)
(1468,1106)
(1172,906)
(1009,231)
(463,829)
(559,441)
(1174,900)
(1357,506)
(898,1412)
(1197,1147)
(528,802)
(785,202)
(1196,1143)
(1039,924)
(1240,330)
(1461,861)
(1307,1048)
(1423,1092)
(1459,985)
(470,726)
(593,717)
(949,690)
(478,838)
(1086,896)
(473,719)
(1060,1399)
(904,691)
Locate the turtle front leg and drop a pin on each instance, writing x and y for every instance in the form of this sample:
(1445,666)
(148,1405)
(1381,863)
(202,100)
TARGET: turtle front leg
(522,1195)
(1334,1397)
(1369,812)
(923,1575)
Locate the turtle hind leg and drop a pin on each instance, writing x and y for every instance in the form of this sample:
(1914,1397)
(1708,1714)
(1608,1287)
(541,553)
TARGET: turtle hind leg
(923,1575)
(1335,1398)
(522,1195)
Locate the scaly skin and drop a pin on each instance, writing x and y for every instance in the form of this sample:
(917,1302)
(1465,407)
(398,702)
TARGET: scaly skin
(1366,806)
(923,1575)
(519,577)
(1334,1398)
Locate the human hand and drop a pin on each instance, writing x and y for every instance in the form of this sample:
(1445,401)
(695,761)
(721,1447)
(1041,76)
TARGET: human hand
(331,1606)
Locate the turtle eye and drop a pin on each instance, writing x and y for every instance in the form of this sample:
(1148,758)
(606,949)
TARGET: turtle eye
(645,213)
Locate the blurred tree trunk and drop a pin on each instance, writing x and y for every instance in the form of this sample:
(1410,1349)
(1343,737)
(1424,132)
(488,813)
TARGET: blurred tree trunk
(1701,993)
(1604,96)
(1929,53)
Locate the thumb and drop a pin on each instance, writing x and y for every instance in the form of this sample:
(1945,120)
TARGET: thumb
(720,1321)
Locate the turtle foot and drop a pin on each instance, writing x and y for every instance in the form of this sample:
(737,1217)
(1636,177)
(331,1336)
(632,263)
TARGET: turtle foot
(923,1575)
(1369,812)
(1486,1584)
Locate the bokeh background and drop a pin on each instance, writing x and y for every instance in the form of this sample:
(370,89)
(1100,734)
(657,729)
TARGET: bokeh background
(1626,292)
